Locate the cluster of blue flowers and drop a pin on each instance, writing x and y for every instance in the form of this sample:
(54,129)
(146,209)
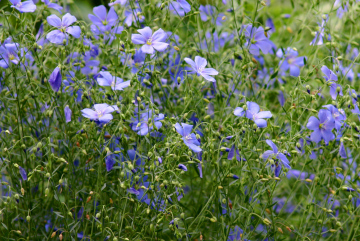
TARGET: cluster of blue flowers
(152,120)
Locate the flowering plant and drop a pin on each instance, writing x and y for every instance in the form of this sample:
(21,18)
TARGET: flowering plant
(179,120)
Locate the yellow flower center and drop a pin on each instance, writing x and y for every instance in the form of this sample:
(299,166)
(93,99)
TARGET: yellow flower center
(99,113)
(149,41)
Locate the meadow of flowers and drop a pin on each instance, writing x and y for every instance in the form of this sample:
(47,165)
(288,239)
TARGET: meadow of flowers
(180,120)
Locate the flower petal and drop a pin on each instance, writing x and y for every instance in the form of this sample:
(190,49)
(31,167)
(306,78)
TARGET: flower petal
(75,31)
(68,19)
(54,20)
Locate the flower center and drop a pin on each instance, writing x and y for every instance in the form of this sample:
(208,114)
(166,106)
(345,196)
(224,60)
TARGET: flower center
(113,84)
(188,137)
(99,113)
(11,57)
(63,29)
(200,69)
(19,4)
(321,126)
(253,41)
(104,22)
(149,41)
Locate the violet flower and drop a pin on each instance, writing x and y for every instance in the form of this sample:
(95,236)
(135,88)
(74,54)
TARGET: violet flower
(322,128)
(335,90)
(58,36)
(131,16)
(116,83)
(199,68)
(103,20)
(141,122)
(23,173)
(23,7)
(8,55)
(329,74)
(189,138)
(179,7)
(101,112)
(290,61)
(55,79)
(256,40)
(338,115)
(150,41)
(52,5)
(122,2)
(68,113)
(320,34)
(182,167)
(253,113)
(275,154)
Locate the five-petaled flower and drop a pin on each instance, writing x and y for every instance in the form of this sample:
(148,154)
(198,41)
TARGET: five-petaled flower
(116,83)
(189,138)
(290,61)
(322,128)
(23,7)
(150,41)
(103,20)
(253,113)
(101,112)
(199,68)
(275,154)
(257,40)
(58,36)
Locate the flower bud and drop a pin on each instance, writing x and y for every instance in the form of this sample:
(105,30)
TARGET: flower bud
(266,221)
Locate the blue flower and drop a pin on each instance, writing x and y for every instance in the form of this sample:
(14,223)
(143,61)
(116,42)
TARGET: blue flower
(256,40)
(236,234)
(52,5)
(290,60)
(116,83)
(23,173)
(319,35)
(103,20)
(101,112)
(58,36)
(8,55)
(322,128)
(189,138)
(150,41)
(68,113)
(253,113)
(179,7)
(133,15)
(141,122)
(338,115)
(199,68)
(55,79)
(23,7)
(182,167)
(122,2)
(329,74)
(275,154)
